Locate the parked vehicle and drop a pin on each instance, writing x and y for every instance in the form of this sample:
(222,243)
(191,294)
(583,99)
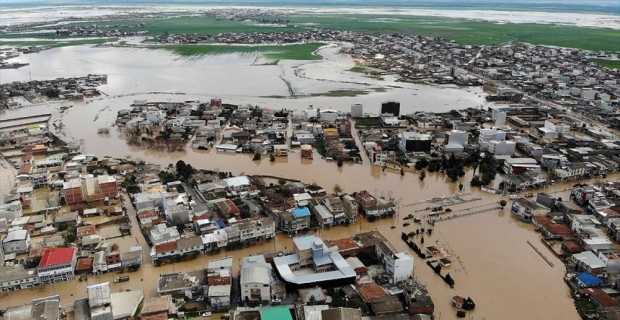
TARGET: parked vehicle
(405,224)
(121,279)
(529,195)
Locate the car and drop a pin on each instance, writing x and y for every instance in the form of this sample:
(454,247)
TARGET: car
(513,196)
(529,195)
(392,227)
(206,314)
(200,299)
(416,220)
(405,224)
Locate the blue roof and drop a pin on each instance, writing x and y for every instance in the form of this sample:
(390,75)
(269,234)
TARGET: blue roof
(588,279)
(301,212)
(221,224)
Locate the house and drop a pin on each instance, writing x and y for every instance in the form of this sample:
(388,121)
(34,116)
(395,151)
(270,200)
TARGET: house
(293,220)
(67,218)
(255,279)
(16,241)
(161,234)
(414,142)
(526,209)
(281,150)
(219,280)
(147,216)
(17,278)
(132,258)
(399,265)
(589,262)
(183,284)
(586,280)
(227,208)
(57,264)
(321,213)
(458,302)
(183,246)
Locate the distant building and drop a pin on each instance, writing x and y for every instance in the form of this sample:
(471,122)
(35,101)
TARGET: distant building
(414,142)
(357,110)
(391,107)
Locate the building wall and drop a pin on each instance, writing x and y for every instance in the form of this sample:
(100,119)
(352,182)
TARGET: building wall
(259,289)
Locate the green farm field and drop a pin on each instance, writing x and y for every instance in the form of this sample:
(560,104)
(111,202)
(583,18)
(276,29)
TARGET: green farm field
(462,31)
(273,53)
(473,32)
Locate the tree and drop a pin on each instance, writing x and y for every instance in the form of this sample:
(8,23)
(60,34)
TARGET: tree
(402,171)
(256,156)
(474,165)
(460,187)
(337,189)
(422,175)
(281,181)
(503,203)
(272,157)
(340,162)
(312,300)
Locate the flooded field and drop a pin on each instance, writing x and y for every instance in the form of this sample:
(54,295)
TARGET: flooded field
(492,261)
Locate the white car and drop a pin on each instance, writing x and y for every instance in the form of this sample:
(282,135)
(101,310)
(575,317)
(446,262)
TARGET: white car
(206,314)
(200,299)
(513,196)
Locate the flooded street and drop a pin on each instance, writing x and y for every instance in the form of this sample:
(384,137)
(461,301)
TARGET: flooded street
(506,278)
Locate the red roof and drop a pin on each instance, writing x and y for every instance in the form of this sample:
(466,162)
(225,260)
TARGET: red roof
(165,247)
(85,231)
(56,256)
(147,213)
(84,264)
(25,169)
(27,157)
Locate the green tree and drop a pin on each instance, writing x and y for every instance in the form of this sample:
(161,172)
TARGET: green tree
(422,175)
(281,181)
(503,203)
(312,300)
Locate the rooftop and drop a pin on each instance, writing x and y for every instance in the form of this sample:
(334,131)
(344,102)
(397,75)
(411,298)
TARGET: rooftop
(276,313)
(56,256)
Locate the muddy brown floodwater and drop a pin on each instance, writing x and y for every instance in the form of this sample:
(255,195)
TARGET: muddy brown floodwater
(492,262)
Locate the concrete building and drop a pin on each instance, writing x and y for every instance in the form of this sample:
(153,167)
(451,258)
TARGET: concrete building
(357,110)
(16,241)
(399,265)
(161,234)
(255,279)
(320,264)
(391,107)
(57,264)
(414,142)
(502,147)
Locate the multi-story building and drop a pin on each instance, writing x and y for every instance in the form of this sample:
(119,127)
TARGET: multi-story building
(16,241)
(57,264)
(255,279)
(399,265)
(293,220)
(17,278)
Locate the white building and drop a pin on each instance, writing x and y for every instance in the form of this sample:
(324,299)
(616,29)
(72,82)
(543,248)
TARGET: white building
(329,115)
(502,147)
(486,135)
(161,234)
(16,241)
(399,265)
(458,137)
(357,110)
(255,279)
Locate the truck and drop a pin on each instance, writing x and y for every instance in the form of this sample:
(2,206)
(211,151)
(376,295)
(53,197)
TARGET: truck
(121,279)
